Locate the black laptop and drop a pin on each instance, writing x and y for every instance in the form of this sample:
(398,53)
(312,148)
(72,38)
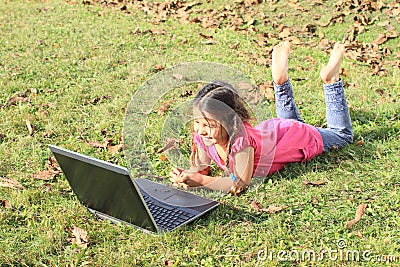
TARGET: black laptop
(108,191)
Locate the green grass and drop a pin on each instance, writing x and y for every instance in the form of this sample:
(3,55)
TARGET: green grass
(63,55)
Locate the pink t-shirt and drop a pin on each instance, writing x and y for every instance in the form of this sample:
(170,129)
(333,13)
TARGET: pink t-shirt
(276,142)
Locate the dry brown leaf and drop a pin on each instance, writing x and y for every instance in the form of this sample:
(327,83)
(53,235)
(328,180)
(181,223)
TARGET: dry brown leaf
(234,46)
(30,127)
(171,143)
(360,143)
(359,213)
(169,262)
(271,209)
(310,28)
(10,183)
(13,101)
(383,23)
(158,67)
(79,237)
(163,108)
(205,36)
(267,89)
(380,39)
(286,32)
(336,19)
(48,186)
(314,183)
(98,99)
(343,72)
(6,204)
(314,201)
(310,59)
(52,169)
(158,31)
(97,144)
(116,148)
(262,61)
(44,175)
(380,91)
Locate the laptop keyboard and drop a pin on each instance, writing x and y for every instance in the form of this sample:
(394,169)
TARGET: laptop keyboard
(166,217)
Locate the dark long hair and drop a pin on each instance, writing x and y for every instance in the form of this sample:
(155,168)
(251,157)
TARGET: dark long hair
(222,101)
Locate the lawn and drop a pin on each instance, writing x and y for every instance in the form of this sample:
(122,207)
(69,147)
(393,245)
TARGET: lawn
(70,69)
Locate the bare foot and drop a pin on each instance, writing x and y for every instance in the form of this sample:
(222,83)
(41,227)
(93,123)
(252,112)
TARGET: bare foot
(330,73)
(280,56)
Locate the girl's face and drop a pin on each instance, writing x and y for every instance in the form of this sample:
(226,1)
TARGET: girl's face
(211,131)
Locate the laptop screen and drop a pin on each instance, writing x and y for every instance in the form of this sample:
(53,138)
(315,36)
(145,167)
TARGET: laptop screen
(104,187)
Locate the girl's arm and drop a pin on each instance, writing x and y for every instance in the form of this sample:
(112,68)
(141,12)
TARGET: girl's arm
(243,171)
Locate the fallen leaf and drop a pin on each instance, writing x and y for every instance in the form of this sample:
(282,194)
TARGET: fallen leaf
(360,143)
(314,201)
(310,28)
(98,99)
(359,213)
(48,134)
(163,157)
(158,31)
(48,186)
(169,262)
(44,175)
(267,89)
(30,127)
(286,32)
(262,61)
(271,209)
(314,183)
(116,148)
(163,108)
(10,183)
(205,36)
(274,209)
(52,170)
(6,204)
(171,143)
(79,237)
(310,59)
(158,67)
(380,39)
(20,98)
(234,46)
(97,144)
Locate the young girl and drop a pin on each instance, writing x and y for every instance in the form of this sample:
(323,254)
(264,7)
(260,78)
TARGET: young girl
(222,132)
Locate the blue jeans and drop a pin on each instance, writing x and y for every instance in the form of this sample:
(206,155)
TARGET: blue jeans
(339,132)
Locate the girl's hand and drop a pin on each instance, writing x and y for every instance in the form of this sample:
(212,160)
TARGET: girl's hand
(174,178)
(238,188)
(185,177)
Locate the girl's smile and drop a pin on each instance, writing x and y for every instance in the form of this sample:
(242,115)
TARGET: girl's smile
(209,129)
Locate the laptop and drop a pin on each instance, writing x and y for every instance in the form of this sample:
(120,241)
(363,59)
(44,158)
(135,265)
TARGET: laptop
(108,191)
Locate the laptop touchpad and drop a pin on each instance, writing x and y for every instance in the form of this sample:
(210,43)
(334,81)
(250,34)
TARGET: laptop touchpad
(180,199)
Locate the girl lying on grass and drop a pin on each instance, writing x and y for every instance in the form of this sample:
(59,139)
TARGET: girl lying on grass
(222,132)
